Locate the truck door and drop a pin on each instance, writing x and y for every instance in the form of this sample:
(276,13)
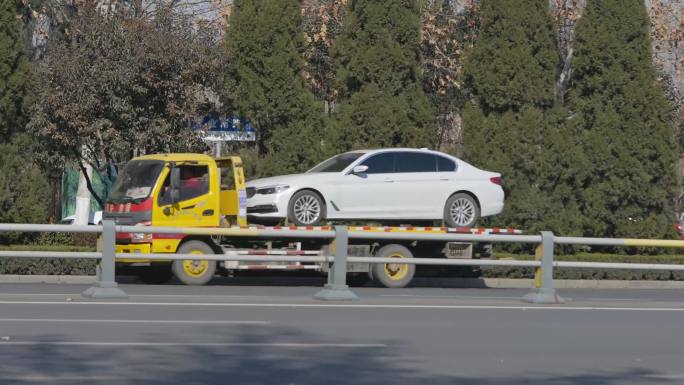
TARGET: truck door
(197,201)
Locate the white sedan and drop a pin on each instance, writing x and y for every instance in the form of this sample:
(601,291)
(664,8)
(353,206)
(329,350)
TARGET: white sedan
(381,185)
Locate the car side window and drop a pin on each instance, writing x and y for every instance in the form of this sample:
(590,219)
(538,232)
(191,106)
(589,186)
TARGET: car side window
(415,162)
(380,163)
(194,182)
(445,164)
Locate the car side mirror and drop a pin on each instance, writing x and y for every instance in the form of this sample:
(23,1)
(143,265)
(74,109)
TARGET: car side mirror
(360,169)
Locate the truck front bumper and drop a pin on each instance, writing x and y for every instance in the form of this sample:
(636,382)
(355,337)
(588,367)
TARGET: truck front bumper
(133,248)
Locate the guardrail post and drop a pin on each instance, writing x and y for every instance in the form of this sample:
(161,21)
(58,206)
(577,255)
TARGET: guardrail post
(336,289)
(544,291)
(106,286)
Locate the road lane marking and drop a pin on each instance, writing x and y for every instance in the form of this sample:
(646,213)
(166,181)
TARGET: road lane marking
(137,321)
(456,297)
(663,377)
(444,296)
(52,378)
(133,295)
(295,345)
(346,305)
(77,295)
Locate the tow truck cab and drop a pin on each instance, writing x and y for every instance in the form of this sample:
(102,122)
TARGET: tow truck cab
(180,190)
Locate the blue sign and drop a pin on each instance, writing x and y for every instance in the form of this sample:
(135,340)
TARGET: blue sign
(226,129)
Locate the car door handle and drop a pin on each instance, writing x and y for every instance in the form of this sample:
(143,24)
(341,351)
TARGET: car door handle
(444,179)
(389,180)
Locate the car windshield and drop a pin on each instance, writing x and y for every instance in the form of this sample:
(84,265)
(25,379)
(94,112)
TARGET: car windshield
(337,163)
(136,181)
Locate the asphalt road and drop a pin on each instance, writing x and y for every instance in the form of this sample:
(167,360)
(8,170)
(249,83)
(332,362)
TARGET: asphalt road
(276,334)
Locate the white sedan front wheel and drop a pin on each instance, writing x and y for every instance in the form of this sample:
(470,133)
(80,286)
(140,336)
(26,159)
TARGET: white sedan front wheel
(306,208)
(461,210)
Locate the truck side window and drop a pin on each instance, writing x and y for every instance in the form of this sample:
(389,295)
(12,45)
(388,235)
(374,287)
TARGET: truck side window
(194,182)
(227,179)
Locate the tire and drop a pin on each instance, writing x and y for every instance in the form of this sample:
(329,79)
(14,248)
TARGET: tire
(393,275)
(461,210)
(194,272)
(306,208)
(156,274)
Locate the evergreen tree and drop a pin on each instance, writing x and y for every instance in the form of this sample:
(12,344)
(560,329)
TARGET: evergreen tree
(620,114)
(24,190)
(378,56)
(14,72)
(450,28)
(511,72)
(265,41)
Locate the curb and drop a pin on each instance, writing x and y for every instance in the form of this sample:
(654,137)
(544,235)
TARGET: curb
(15,278)
(494,283)
(511,283)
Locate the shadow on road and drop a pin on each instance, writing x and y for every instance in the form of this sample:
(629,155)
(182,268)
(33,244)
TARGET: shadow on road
(314,279)
(259,364)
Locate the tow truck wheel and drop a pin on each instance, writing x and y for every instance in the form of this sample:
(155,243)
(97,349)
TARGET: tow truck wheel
(194,271)
(393,275)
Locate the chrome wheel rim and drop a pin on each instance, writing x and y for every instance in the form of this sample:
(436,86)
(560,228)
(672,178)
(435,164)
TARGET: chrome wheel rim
(307,210)
(462,211)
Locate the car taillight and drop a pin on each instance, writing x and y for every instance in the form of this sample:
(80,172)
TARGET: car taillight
(496,180)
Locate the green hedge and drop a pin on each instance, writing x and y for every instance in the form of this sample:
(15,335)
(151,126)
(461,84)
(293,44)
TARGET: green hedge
(54,266)
(47,266)
(563,273)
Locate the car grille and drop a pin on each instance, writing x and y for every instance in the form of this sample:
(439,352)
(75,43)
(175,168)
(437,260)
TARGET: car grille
(250,192)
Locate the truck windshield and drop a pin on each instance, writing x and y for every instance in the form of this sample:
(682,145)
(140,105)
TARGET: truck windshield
(337,163)
(136,181)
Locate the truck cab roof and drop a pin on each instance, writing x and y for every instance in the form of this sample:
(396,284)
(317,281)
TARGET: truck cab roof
(178,157)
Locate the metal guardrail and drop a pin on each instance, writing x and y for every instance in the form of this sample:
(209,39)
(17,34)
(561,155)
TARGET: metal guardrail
(336,287)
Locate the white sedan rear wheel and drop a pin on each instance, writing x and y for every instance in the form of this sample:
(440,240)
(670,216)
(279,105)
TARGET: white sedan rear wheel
(461,210)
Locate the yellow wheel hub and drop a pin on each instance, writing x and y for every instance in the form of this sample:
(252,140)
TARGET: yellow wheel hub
(396,271)
(194,267)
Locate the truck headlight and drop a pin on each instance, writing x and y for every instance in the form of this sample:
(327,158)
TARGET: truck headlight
(272,189)
(142,237)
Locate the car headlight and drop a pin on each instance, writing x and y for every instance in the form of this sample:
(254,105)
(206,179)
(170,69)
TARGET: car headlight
(272,189)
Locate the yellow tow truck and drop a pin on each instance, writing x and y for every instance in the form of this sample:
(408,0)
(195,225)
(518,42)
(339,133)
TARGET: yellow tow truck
(199,191)
(181,190)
